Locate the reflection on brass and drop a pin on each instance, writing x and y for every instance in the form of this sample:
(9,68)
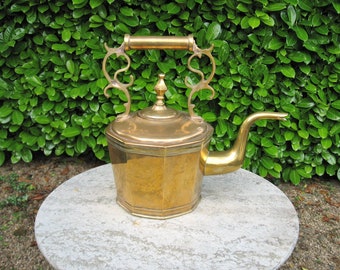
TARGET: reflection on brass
(159,155)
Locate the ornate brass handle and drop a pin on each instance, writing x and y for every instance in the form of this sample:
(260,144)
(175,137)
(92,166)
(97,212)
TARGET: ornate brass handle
(160,43)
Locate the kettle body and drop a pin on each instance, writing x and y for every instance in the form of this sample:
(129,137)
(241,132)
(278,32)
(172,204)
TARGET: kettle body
(159,155)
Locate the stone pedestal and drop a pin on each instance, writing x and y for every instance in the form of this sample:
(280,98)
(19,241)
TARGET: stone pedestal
(242,222)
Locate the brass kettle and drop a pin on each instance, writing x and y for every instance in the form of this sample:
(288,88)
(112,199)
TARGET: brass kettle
(159,155)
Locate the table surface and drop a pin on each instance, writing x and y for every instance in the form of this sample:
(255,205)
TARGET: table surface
(242,222)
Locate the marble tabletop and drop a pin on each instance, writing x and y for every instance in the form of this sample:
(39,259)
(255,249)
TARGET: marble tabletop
(242,222)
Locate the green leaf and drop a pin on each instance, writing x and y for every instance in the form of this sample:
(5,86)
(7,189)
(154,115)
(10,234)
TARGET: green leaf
(267,162)
(131,21)
(162,25)
(122,28)
(38,39)
(58,124)
(209,117)
(254,22)
(66,35)
(242,7)
(304,173)
(26,155)
(71,132)
(333,114)
(34,80)
(96,3)
(288,71)
(244,70)
(299,56)
(301,33)
(335,129)
(305,103)
(94,106)
(336,104)
(330,158)
(214,30)
(320,170)
(18,33)
(268,21)
(306,5)
(244,22)
(263,171)
(166,66)
(291,15)
(47,105)
(326,143)
(275,6)
(323,132)
(295,177)
(2,157)
(81,145)
(272,151)
(303,134)
(274,44)
(96,19)
(42,119)
(173,8)
(60,47)
(79,2)
(221,128)
(15,157)
(126,11)
(17,118)
(226,82)
(5,110)
(70,66)
(336,6)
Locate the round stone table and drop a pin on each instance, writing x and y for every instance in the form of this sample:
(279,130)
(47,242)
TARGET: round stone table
(242,222)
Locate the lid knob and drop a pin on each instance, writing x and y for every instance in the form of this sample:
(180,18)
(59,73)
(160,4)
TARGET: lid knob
(160,89)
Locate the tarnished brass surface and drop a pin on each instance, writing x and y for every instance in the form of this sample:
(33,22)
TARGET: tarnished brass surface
(232,159)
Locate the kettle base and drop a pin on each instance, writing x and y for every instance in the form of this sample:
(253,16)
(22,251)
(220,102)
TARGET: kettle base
(158,214)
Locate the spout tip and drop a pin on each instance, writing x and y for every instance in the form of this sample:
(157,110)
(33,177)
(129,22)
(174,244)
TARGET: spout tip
(267,115)
(282,116)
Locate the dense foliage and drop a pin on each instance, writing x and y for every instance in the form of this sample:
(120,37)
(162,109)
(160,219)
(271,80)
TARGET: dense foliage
(271,55)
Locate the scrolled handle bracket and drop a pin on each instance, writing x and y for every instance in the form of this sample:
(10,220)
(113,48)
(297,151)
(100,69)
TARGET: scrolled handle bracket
(114,82)
(203,83)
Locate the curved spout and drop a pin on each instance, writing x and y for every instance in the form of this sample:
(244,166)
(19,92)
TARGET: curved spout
(232,159)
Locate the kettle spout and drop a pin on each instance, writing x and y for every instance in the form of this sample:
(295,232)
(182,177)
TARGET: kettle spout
(232,159)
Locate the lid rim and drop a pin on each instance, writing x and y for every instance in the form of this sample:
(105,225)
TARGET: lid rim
(175,132)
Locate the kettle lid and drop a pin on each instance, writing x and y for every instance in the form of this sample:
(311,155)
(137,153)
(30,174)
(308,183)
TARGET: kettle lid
(159,128)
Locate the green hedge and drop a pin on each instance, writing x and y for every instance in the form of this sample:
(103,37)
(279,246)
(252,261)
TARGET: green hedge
(271,55)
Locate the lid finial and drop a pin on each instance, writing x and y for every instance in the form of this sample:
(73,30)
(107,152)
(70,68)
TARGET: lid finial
(160,89)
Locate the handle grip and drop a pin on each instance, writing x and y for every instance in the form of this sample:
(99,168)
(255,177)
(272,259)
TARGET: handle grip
(158,42)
